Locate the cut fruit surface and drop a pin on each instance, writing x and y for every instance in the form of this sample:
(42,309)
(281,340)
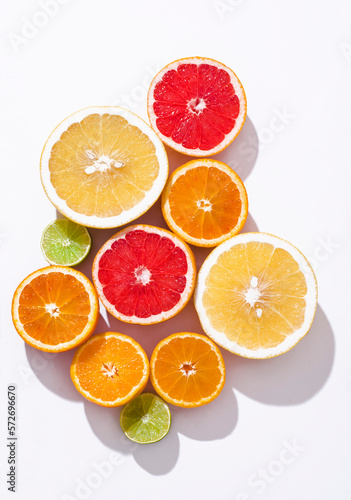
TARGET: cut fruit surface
(55,309)
(65,243)
(205,202)
(187,369)
(146,419)
(144,274)
(103,167)
(197,106)
(110,369)
(256,295)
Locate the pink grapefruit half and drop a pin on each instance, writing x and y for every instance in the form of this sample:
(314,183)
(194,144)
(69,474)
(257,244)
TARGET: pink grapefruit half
(144,274)
(197,106)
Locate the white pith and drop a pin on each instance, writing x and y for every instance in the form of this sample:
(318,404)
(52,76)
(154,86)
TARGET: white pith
(239,90)
(94,310)
(52,309)
(102,164)
(142,275)
(204,205)
(310,297)
(253,293)
(195,107)
(187,368)
(109,369)
(185,295)
(183,169)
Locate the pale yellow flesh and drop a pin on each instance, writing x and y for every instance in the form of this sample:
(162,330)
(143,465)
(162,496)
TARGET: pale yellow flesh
(103,165)
(255,295)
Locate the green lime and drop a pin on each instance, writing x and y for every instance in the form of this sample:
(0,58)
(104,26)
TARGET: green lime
(145,419)
(65,242)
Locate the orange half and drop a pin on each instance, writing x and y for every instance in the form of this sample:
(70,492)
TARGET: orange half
(110,369)
(55,309)
(187,369)
(205,202)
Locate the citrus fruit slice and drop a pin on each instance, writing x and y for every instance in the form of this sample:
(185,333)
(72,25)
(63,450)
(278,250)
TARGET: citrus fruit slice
(145,419)
(197,106)
(205,202)
(103,167)
(256,295)
(187,369)
(65,242)
(144,274)
(55,309)
(110,369)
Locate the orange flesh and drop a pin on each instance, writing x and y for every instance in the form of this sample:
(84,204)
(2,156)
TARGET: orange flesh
(205,203)
(187,369)
(109,368)
(68,301)
(123,157)
(278,310)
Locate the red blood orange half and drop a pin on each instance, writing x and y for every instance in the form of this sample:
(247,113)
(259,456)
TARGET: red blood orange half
(197,106)
(144,274)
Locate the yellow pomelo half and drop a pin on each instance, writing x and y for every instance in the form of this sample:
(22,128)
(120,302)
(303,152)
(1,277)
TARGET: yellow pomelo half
(256,295)
(103,167)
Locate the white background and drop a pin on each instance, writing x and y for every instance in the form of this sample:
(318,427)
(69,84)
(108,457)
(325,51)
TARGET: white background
(294,60)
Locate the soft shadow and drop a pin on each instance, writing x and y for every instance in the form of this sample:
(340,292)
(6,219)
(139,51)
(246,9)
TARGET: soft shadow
(250,225)
(105,425)
(213,421)
(216,420)
(291,378)
(159,458)
(240,155)
(59,215)
(156,458)
(53,371)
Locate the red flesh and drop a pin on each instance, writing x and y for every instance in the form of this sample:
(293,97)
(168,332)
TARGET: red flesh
(142,250)
(177,95)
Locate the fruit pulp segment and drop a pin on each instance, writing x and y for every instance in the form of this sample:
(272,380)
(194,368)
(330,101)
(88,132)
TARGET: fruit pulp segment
(196,105)
(205,202)
(110,368)
(143,274)
(187,369)
(54,308)
(255,295)
(103,165)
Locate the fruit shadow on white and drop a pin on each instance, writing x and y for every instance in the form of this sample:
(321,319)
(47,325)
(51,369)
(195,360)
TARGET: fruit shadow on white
(218,418)
(213,421)
(291,378)
(53,371)
(105,421)
(240,155)
(157,458)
